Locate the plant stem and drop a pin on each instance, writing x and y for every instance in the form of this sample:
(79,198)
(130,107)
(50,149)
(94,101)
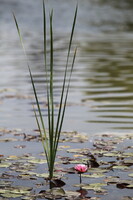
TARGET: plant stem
(80,178)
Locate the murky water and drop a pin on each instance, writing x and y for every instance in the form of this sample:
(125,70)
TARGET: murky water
(101,96)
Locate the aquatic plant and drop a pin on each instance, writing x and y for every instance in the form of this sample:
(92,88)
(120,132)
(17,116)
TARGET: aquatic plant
(50,138)
(81,168)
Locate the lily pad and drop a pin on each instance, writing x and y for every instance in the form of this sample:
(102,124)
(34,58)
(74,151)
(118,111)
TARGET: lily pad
(5,164)
(53,193)
(112,154)
(10,195)
(57,191)
(71,194)
(128,154)
(131,175)
(112,179)
(5,183)
(8,140)
(93,186)
(95,175)
(37,161)
(122,167)
(98,170)
(81,151)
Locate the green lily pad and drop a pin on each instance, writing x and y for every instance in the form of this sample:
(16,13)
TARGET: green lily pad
(112,179)
(95,175)
(112,154)
(99,151)
(71,194)
(10,195)
(93,186)
(57,191)
(81,151)
(122,167)
(5,183)
(128,162)
(12,157)
(131,175)
(5,164)
(43,175)
(130,186)
(28,198)
(8,140)
(98,170)
(16,190)
(128,154)
(37,161)
(53,193)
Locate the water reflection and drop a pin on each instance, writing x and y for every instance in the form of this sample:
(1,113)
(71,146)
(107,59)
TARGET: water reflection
(110,83)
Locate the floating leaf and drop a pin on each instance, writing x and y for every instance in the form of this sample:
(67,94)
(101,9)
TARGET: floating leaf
(53,193)
(10,195)
(95,175)
(5,165)
(98,170)
(131,175)
(5,183)
(112,154)
(13,157)
(57,191)
(112,179)
(8,140)
(122,167)
(37,161)
(71,194)
(128,154)
(130,162)
(130,186)
(82,151)
(92,186)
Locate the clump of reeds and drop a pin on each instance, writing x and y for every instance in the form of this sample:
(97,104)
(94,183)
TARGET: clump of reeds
(50,138)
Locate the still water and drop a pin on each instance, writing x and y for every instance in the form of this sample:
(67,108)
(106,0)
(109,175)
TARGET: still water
(101,94)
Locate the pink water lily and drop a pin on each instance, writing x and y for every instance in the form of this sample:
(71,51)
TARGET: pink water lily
(81,168)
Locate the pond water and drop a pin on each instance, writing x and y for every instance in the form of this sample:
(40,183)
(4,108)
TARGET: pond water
(101,94)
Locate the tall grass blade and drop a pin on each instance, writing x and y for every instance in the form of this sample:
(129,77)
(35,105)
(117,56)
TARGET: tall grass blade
(51,131)
(42,138)
(59,123)
(32,81)
(65,101)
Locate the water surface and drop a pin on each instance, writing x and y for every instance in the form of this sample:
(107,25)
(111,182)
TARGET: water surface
(101,94)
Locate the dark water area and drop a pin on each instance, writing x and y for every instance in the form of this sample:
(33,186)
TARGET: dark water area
(101,95)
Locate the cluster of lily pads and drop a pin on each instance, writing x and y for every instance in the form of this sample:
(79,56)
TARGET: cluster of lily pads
(109,166)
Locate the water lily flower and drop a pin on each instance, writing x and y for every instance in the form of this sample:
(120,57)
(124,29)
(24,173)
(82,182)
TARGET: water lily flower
(81,168)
